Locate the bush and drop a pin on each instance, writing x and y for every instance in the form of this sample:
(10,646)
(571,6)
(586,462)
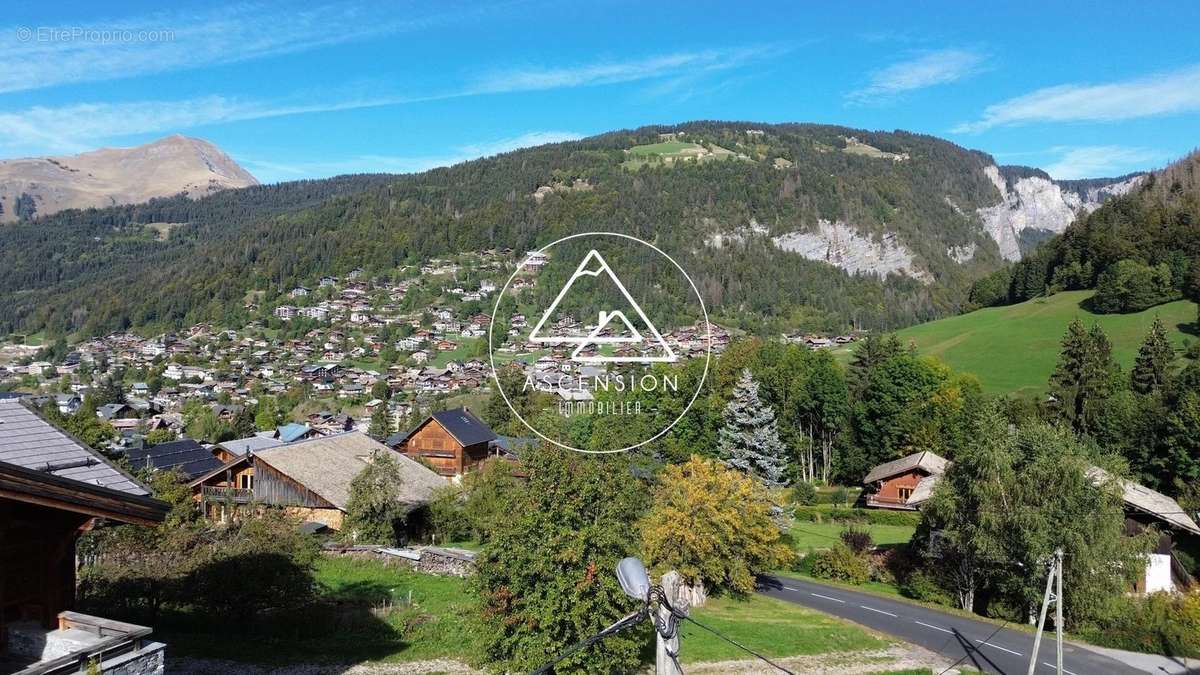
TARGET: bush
(857,539)
(840,564)
(448,516)
(1157,624)
(818,514)
(921,586)
(804,493)
(840,496)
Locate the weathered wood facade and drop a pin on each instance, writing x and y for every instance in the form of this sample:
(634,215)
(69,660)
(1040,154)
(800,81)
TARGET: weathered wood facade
(451,442)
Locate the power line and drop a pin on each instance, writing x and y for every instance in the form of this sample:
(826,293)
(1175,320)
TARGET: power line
(621,624)
(737,644)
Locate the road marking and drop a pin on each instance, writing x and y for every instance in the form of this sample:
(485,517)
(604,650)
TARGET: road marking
(1054,666)
(790,588)
(877,610)
(933,627)
(827,597)
(1003,649)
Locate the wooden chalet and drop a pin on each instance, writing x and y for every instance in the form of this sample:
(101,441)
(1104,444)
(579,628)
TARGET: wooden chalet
(52,489)
(904,483)
(309,479)
(453,442)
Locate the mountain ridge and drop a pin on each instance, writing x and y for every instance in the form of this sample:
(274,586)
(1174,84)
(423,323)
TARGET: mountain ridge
(750,187)
(175,164)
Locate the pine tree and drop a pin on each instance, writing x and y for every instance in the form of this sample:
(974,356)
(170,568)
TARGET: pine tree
(1153,361)
(749,440)
(1084,378)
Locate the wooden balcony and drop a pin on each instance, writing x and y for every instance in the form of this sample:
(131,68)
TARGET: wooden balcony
(889,503)
(226,494)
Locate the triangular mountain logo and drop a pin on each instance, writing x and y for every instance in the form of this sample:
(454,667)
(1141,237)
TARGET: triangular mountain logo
(614,321)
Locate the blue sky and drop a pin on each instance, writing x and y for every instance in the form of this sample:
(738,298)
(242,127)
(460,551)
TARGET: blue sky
(296,90)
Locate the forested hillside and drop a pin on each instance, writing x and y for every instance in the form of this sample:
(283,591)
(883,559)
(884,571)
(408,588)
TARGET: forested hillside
(1137,250)
(762,215)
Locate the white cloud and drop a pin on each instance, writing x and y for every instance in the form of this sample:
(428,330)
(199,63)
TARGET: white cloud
(615,72)
(269,171)
(931,69)
(1096,161)
(33,57)
(73,128)
(1172,92)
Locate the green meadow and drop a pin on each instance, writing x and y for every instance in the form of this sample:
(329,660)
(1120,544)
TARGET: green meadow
(1014,349)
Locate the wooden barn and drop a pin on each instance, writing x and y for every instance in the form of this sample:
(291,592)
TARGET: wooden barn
(904,483)
(52,489)
(310,479)
(453,442)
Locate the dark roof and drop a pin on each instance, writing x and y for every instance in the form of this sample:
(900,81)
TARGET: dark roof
(465,426)
(191,458)
(28,440)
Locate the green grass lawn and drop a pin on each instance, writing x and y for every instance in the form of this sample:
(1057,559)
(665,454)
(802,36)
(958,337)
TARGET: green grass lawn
(664,148)
(366,611)
(1014,349)
(807,535)
(768,625)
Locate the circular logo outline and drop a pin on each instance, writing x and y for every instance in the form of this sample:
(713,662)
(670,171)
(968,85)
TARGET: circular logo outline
(707,351)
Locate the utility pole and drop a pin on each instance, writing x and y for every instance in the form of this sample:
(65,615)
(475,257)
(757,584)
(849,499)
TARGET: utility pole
(1053,592)
(666,653)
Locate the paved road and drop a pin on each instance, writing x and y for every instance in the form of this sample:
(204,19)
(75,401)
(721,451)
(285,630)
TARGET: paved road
(1005,651)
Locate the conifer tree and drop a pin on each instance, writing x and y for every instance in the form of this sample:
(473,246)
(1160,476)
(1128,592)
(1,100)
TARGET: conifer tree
(749,440)
(1084,378)
(1153,361)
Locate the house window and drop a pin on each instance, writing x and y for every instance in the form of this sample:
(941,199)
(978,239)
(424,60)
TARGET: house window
(905,493)
(246,481)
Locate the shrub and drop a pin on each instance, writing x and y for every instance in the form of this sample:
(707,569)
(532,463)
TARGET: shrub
(841,496)
(840,564)
(817,514)
(804,493)
(857,539)
(375,513)
(1157,624)
(921,586)
(447,515)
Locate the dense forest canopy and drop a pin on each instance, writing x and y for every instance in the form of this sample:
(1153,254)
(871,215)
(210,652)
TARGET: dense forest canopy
(176,261)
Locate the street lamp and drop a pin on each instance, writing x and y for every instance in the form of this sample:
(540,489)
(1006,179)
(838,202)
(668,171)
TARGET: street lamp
(631,573)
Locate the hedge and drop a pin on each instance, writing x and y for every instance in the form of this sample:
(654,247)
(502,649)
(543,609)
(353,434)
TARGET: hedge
(815,514)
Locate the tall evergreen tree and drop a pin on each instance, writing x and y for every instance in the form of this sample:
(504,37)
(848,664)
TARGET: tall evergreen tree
(1084,378)
(1153,362)
(749,440)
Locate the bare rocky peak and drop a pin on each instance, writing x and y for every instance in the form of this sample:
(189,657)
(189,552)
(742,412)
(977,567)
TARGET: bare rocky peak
(109,176)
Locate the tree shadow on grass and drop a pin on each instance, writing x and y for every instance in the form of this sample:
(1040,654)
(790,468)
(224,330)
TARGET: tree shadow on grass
(202,615)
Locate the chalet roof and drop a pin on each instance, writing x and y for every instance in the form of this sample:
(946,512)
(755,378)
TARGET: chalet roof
(465,426)
(292,431)
(1149,501)
(326,465)
(186,455)
(28,440)
(924,461)
(241,446)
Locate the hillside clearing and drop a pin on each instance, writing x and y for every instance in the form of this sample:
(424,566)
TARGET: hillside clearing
(1014,349)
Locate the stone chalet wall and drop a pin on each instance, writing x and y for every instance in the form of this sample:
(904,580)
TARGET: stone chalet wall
(149,660)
